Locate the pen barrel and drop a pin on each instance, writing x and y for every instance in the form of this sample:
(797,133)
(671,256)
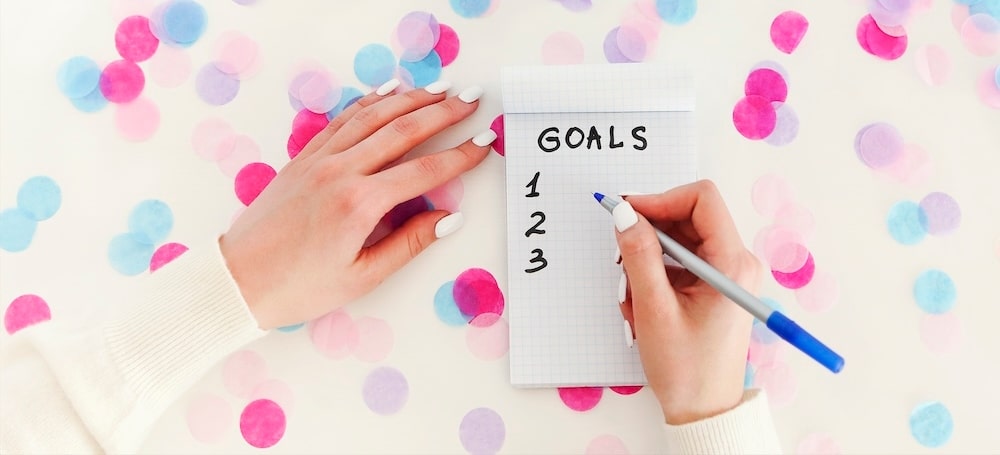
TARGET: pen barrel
(798,337)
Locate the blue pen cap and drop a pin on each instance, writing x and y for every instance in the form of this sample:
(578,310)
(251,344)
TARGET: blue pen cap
(792,333)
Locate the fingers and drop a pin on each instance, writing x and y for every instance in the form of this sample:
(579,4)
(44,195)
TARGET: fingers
(410,179)
(319,140)
(406,242)
(652,298)
(402,133)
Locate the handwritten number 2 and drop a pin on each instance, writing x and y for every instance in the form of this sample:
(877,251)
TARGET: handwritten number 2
(538,259)
(533,186)
(534,229)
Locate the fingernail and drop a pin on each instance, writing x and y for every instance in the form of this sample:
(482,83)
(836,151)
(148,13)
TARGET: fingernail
(631,193)
(622,285)
(438,87)
(485,138)
(387,87)
(448,225)
(618,255)
(624,216)
(629,341)
(471,94)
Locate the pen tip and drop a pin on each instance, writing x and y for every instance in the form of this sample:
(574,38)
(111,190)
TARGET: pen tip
(598,196)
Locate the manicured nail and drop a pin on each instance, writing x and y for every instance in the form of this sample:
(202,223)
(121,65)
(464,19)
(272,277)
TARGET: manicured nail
(622,285)
(618,255)
(438,87)
(448,225)
(629,341)
(631,193)
(471,94)
(485,138)
(624,216)
(387,87)
(671,262)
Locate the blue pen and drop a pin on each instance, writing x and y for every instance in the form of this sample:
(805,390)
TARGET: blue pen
(777,322)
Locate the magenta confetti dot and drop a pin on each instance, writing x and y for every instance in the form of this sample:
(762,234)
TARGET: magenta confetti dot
(611,50)
(798,278)
(626,389)
(306,125)
(122,81)
(787,31)
(24,311)
(754,117)
(482,431)
(448,45)
(767,83)
(497,127)
(215,87)
(786,127)
(262,423)
(943,213)
(251,181)
(878,43)
(293,147)
(165,254)
(581,399)
(879,145)
(134,40)
(476,292)
(385,391)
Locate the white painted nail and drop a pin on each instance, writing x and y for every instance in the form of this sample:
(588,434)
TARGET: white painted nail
(485,138)
(618,255)
(622,285)
(629,341)
(671,262)
(471,94)
(387,87)
(448,225)
(624,216)
(438,87)
(632,193)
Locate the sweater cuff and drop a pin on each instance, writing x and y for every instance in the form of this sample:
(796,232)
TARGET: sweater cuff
(745,429)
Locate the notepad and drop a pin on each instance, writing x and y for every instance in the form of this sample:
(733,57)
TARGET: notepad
(571,131)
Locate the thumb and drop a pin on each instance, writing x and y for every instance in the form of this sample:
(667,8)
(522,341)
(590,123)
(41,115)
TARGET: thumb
(653,298)
(407,241)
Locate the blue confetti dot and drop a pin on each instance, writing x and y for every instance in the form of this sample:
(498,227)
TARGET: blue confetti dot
(91,102)
(424,71)
(676,12)
(130,253)
(996,77)
(184,21)
(39,197)
(762,334)
(78,76)
(152,220)
(291,328)
(991,7)
(374,64)
(935,292)
(445,307)
(17,228)
(906,222)
(348,96)
(967,2)
(470,8)
(931,424)
(748,375)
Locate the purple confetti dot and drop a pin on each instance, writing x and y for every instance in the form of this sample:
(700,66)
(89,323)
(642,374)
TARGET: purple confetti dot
(385,391)
(631,43)
(482,431)
(786,127)
(215,87)
(418,32)
(576,6)
(611,50)
(878,145)
(943,213)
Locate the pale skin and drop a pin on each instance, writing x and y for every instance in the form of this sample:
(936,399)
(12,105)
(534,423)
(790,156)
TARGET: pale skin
(299,251)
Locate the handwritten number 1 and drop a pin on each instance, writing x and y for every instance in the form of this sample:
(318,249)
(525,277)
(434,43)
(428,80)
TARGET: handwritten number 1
(538,259)
(533,186)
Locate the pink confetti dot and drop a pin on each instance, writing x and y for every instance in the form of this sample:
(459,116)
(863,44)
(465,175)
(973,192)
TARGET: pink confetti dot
(606,444)
(878,145)
(134,40)
(769,193)
(798,278)
(293,148)
(244,151)
(448,45)
(213,139)
(122,81)
(165,254)
(275,390)
(24,311)
(375,340)
(262,423)
(236,54)
(137,120)
(778,380)
(797,218)
(488,336)
(770,239)
(448,196)
(476,292)
(170,67)
(754,117)
(933,65)
(878,43)
(817,444)
(626,389)
(888,14)
(335,334)
(787,31)
(913,167)
(306,125)
(788,257)
(941,333)
(581,399)
(243,371)
(320,93)
(989,93)
(819,294)
(208,417)
(761,354)
(959,14)
(251,181)
(562,48)
(981,35)
(497,127)
(417,33)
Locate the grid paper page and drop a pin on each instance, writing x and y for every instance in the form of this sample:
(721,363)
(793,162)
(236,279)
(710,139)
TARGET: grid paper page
(565,325)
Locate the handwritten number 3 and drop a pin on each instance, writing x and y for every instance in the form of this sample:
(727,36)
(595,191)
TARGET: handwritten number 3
(538,259)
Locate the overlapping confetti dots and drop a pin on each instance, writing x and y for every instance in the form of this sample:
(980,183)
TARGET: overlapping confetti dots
(424,46)
(988,87)
(936,214)
(236,57)
(935,294)
(787,30)
(474,8)
(24,311)
(215,140)
(474,300)
(337,335)
(38,199)
(635,37)
(135,251)
(763,113)
(978,26)
(882,148)
(882,32)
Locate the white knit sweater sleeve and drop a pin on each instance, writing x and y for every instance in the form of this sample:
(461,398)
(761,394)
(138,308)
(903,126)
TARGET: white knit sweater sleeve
(745,429)
(70,390)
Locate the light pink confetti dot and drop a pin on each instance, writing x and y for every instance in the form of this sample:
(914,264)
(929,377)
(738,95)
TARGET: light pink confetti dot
(817,444)
(488,336)
(448,196)
(797,218)
(771,238)
(778,380)
(213,139)
(165,254)
(275,390)
(788,257)
(243,151)
(933,65)
(912,168)
(243,371)
(989,93)
(236,54)
(764,354)
(819,294)
(208,417)
(262,423)
(606,444)
(941,333)
(169,67)
(562,48)
(137,120)
(981,35)
(375,340)
(335,334)
(769,193)
(959,14)
(24,311)
(581,399)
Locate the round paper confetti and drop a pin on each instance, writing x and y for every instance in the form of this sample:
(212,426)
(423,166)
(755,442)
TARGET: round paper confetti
(626,389)
(786,126)
(213,139)
(761,334)
(933,65)
(482,430)
(375,340)
(134,40)
(942,213)
(631,43)
(448,45)
(236,54)
(819,294)
(778,381)
(754,117)
(215,87)
(170,67)
(606,444)
(497,127)
(797,218)
(769,193)
(137,120)
(818,444)
(184,21)
(275,390)
(788,257)
(130,253)
(576,6)
(611,51)
(562,48)
(165,254)
(24,311)
(262,423)
(906,223)
(748,374)
(913,167)
(405,210)
(244,151)
(889,14)
(348,96)
(39,197)
(941,333)
(17,228)
(417,33)
(876,42)
(423,72)
(488,336)
(334,334)
(476,292)
(320,92)
(152,220)
(934,291)
(374,64)
(767,83)
(787,31)
(989,92)
(931,424)
(878,145)
(676,12)
(208,417)
(78,77)
(122,81)
(981,35)
(291,328)
(797,279)
(760,354)
(92,102)
(470,8)
(581,399)
(251,181)
(445,307)
(243,371)
(385,391)
(448,196)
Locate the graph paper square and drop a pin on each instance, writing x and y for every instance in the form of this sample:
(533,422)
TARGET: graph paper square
(565,325)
